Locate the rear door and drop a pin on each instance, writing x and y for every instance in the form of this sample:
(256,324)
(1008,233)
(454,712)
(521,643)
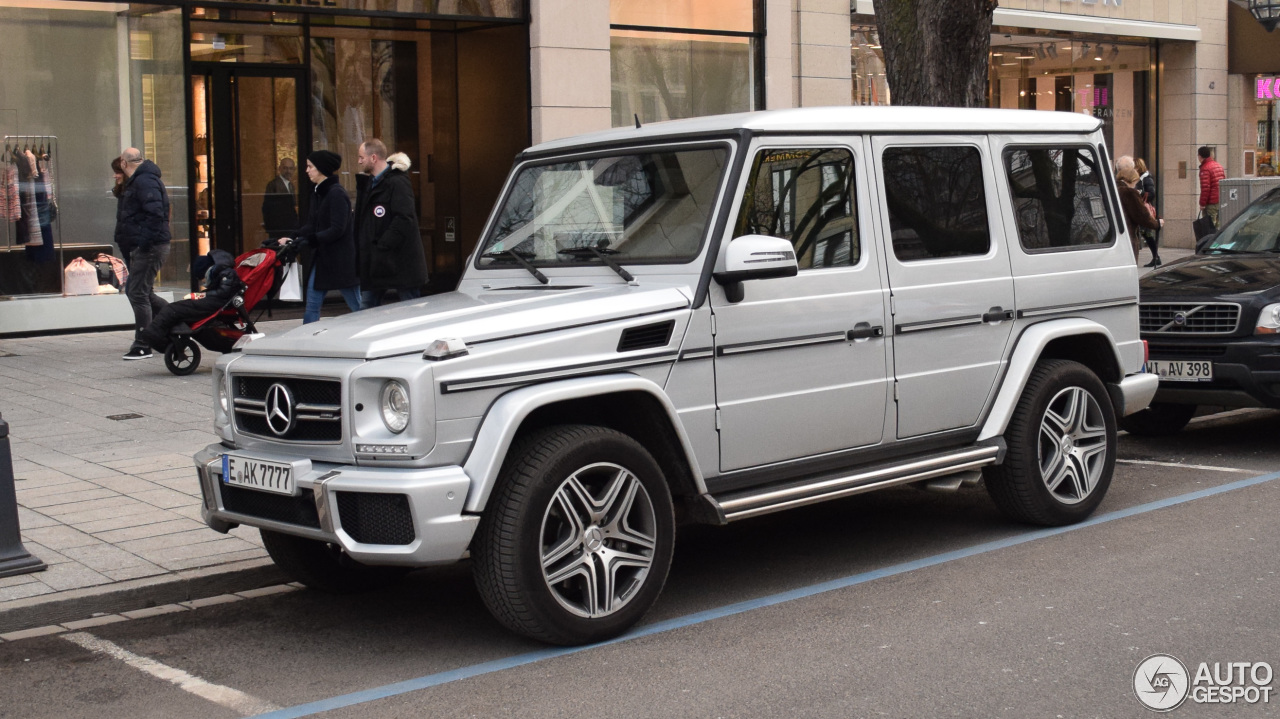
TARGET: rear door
(950,281)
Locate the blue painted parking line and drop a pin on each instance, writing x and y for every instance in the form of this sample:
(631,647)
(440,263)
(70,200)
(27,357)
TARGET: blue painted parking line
(475,670)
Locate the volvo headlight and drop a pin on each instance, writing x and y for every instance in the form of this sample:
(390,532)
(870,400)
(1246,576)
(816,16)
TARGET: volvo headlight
(1268,321)
(395,406)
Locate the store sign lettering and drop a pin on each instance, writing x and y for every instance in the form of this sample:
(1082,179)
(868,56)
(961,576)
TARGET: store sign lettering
(1268,88)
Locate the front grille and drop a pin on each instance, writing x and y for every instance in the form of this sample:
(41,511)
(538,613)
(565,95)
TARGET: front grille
(299,510)
(316,408)
(374,518)
(1188,318)
(1162,351)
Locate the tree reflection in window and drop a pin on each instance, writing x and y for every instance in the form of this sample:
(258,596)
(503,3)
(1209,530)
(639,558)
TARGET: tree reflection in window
(1058,197)
(805,196)
(937,202)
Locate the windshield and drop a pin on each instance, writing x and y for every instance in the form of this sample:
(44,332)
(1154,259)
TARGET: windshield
(634,207)
(1257,229)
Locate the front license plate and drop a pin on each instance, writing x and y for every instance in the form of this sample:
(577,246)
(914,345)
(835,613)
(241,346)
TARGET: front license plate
(258,474)
(1181,370)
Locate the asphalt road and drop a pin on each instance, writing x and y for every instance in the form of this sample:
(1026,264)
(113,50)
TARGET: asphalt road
(935,607)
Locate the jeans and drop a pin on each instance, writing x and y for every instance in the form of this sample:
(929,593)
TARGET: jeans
(376,298)
(144,265)
(315,298)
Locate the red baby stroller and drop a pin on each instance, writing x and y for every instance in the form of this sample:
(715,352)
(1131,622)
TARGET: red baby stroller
(260,272)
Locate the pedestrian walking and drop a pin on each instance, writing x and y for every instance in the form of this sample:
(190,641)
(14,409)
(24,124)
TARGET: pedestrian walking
(1211,173)
(143,222)
(220,283)
(329,234)
(1136,212)
(1147,188)
(390,246)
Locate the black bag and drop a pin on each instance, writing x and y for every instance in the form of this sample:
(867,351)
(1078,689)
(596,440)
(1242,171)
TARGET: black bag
(106,274)
(1203,226)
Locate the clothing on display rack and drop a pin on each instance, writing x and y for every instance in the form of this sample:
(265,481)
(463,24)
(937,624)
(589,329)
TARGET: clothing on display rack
(10,206)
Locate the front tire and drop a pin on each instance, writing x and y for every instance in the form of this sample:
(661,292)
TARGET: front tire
(1061,448)
(576,542)
(324,566)
(1158,420)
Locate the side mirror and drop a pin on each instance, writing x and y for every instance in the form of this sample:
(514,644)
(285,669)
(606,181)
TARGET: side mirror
(755,257)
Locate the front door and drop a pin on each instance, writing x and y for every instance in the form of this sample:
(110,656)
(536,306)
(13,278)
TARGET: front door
(949,277)
(800,362)
(248,167)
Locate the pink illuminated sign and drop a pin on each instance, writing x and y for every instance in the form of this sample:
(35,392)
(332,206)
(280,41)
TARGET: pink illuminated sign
(1268,88)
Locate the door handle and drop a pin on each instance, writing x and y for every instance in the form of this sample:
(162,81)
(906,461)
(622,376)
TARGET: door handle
(997,314)
(864,331)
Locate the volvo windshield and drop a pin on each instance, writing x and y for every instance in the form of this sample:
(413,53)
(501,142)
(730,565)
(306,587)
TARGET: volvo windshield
(635,207)
(1257,229)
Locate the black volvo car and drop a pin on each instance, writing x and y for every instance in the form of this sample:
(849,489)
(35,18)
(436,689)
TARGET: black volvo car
(1212,323)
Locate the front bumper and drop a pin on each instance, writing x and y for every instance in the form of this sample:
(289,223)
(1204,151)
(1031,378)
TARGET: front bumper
(1246,371)
(433,497)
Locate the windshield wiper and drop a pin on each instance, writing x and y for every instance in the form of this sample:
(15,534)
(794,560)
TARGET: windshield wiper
(603,255)
(520,260)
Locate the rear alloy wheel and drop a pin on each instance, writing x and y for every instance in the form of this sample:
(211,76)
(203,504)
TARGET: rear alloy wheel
(1061,448)
(1158,420)
(577,539)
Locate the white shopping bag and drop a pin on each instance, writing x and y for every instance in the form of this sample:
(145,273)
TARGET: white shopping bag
(291,283)
(80,278)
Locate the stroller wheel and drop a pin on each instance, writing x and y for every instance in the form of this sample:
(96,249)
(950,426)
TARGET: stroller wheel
(183,356)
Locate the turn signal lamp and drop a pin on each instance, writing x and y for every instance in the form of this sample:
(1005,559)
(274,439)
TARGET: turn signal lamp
(445,349)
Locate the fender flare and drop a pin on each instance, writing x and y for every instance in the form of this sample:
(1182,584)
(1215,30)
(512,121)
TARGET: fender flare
(505,415)
(1031,344)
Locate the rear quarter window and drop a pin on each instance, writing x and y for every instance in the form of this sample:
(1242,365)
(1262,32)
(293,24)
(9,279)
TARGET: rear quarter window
(1059,198)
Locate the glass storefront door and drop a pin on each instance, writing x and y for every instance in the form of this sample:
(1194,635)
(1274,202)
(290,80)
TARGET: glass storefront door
(247,139)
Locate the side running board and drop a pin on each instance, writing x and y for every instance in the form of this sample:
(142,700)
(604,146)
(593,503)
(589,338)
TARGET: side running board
(755,502)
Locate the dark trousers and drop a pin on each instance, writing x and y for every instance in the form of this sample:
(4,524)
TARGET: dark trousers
(156,335)
(144,265)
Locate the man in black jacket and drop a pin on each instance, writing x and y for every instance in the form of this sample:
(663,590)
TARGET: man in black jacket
(386,225)
(221,283)
(143,217)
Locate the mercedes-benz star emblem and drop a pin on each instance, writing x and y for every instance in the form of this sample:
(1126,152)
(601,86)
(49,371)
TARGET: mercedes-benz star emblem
(279,409)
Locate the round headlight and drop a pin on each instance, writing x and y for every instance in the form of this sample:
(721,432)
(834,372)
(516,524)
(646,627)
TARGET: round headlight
(220,390)
(395,406)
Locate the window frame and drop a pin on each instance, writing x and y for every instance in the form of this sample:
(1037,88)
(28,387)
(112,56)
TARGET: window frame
(1103,182)
(852,145)
(994,241)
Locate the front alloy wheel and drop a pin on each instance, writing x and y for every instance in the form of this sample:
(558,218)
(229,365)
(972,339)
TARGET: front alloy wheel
(576,540)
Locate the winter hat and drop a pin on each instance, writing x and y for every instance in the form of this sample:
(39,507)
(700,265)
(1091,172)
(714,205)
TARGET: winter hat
(326,162)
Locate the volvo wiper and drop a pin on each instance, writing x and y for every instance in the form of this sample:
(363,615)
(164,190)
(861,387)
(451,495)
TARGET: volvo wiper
(603,255)
(520,260)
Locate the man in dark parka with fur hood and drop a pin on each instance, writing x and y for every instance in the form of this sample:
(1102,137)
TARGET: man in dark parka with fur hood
(390,246)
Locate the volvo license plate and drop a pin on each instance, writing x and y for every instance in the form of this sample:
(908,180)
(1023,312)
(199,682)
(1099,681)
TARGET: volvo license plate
(260,474)
(1181,370)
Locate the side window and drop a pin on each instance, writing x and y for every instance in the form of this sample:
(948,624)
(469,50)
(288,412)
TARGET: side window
(937,202)
(805,196)
(1058,198)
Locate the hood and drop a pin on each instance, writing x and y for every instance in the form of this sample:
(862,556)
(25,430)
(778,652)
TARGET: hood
(146,168)
(408,327)
(399,161)
(1205,276)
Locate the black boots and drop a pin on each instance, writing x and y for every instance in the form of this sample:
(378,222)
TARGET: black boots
(1155,251)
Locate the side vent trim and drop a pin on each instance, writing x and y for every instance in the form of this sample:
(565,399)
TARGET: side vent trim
(646,337)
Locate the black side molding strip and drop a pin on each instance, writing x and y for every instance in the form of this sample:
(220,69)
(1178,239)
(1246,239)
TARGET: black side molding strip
(937,324)
(590,368)
(1077,307)
(780,343)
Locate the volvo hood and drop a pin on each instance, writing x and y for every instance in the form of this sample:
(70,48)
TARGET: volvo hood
(406,327)
(1208,276)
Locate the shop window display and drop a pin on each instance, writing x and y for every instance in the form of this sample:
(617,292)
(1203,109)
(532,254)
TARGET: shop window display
(66,110)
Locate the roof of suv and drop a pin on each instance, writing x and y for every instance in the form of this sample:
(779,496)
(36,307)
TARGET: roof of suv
(845,119)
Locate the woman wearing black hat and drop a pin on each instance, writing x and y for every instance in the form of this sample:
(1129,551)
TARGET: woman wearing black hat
(329,233)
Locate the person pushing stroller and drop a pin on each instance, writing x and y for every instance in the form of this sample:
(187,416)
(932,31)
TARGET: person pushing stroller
(221,284)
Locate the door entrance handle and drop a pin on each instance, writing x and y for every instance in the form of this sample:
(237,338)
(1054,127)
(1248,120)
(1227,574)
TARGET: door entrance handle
(997,314)
(864,331)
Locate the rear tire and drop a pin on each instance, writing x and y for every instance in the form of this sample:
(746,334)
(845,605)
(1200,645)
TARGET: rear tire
(1061,448)
(324,566)
(182,356)
(576,541)
(1158,420)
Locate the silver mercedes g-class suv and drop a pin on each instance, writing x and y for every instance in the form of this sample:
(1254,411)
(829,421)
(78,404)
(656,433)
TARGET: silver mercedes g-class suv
(702,321)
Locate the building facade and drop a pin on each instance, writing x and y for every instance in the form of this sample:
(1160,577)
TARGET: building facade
(226,96)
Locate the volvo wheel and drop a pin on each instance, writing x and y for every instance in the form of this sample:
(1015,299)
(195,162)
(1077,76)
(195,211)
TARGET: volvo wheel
(1061,447)
(576,540)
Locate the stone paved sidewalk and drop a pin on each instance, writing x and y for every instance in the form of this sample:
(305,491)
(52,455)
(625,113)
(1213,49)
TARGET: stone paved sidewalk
(105,500)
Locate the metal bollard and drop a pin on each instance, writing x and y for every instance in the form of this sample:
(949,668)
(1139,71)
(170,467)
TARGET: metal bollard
(14,558)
